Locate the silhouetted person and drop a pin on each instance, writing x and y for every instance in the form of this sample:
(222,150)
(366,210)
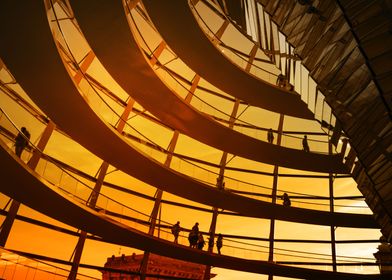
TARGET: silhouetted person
(194,236)
(286,200)
(270,136)
(210,243)
(195,228)
(305,144)
(281,80)
(176,231)
(219,243)
(200,242)
(21,141)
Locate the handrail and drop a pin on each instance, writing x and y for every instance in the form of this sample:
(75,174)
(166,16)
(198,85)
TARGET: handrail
(304,195)
(37,114)
(80,196)
(93,237)
(104,203)
(173,75)
(266,51)
(222,15)
(212,33)
(211,181)
(122,217)
(8,255)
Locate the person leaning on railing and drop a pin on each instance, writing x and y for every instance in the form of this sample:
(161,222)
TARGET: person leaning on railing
(176,231)
(21,141)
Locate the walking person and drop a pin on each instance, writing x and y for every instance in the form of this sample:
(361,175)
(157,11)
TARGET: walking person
(176,231)
(210,243)
(194,236)
(305,144)
(195,228)
(200,242)
(21,141)
(281,80)
(286,200)
(270,136)
(219,243)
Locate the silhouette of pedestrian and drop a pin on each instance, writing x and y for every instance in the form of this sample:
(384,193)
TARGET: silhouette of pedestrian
(270,136)
(281,80)
(305,144)
(286,200)
(176,231)
(194,236)
(210,243)
(200,242)
(219,243)
(21,141)
(195,228)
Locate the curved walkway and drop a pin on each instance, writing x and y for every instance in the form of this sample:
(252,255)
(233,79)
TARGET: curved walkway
(26,186)
(126,63)
(33,49)
(179,28)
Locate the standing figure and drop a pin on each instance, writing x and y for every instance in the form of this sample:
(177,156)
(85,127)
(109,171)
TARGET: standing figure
(305,144)
(281,80)
(270,136)
(200,242)
(176,231)
(21,141)
(219,243)
(194,236)
(195,228)
(210,243)
(286,200)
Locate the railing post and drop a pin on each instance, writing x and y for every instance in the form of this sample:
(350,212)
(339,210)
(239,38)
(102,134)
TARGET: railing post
(274,197)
